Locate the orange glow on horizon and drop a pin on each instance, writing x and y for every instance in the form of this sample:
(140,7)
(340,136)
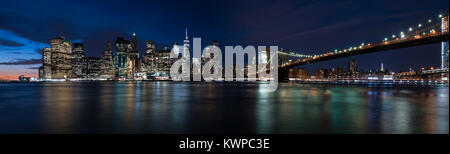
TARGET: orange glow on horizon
(15,75)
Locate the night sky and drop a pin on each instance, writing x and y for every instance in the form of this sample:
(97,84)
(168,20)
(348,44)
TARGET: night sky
(309,27)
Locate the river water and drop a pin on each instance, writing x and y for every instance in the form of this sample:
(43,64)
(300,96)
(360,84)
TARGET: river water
(225,108)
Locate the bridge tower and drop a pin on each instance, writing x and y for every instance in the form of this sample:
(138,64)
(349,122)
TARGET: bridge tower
(283,73)
(444,48)
(444,51)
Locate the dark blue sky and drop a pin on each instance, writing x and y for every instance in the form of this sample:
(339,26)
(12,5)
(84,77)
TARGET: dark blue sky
(307,26)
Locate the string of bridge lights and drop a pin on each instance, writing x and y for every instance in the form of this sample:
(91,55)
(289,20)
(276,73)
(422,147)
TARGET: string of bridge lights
(386,40)
(411,29)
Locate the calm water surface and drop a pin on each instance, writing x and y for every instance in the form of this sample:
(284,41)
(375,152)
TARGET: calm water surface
(170,107)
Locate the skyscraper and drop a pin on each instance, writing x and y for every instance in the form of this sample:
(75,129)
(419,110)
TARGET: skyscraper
(107,63)
(150,47)
(148,59)
(352,67)
(91,67)
(123,47)
(47,63)
(157,63)
(134,43)
(210,52)
(61,58)
(186,45)
(134,61)
(77,57)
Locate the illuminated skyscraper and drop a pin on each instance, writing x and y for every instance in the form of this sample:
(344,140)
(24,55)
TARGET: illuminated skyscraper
(156,64)
(61,58)
(209,51)
(134,43)
(46,63)
(133,55)
(150,47)
(78,55)
(186,56)
(107,63)
(123,47)
(186,46)
(91,67)
(352,67)
(148,58)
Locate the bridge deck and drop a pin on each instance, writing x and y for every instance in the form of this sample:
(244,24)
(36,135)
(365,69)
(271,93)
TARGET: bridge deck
(396,44)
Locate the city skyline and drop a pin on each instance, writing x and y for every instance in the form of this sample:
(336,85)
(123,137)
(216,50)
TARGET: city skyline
(20,47)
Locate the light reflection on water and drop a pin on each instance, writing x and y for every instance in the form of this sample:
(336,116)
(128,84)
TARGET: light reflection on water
(171,107)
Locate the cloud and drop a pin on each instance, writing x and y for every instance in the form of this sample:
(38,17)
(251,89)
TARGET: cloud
(23,62)
(33,68)
(9,43)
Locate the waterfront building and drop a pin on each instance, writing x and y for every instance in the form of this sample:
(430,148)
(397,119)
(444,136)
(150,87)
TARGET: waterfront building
(160,64)
(150,47)
(133,55)
(41,72)
(123,47)
(78,55)
(91,67)
(186,54)
(352,67)
(107,63)
(299,73)
(208,51)
(61,58)
(337,73)
(46,63)
(163,63)
(148,59)
(321,73)
(186,46)
(156,64)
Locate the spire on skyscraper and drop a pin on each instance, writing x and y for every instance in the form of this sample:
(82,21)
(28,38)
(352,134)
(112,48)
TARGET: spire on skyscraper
(108,46)
(186,40)
(134,42)
(187,34)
